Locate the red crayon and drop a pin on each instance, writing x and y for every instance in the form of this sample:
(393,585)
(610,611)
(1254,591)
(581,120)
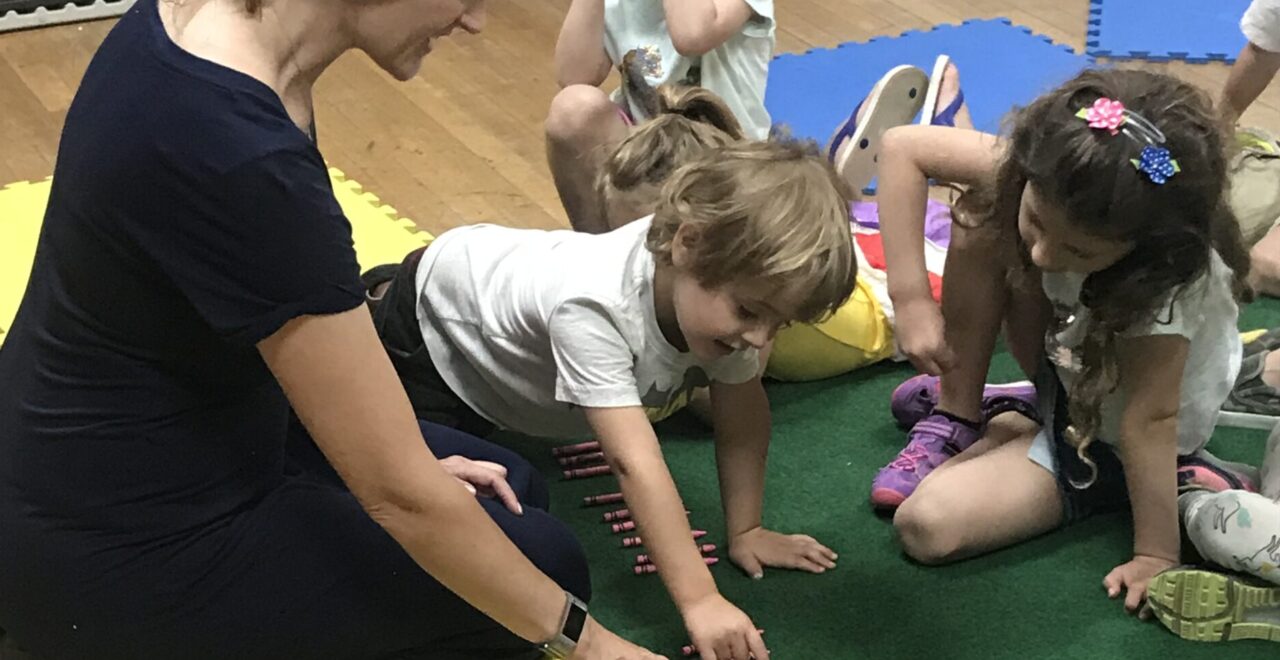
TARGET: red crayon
(580,448)
(705,548)
(607,498)
(579,460)
(583,473)
(690,649)
(645,569)
(636,541)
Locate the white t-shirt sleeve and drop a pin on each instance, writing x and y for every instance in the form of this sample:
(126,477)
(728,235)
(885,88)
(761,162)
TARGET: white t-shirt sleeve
(1261,24)
(762,24)
(595,367)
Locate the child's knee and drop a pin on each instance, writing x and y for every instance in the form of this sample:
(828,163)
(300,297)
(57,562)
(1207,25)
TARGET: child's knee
(925,529)
(579,113)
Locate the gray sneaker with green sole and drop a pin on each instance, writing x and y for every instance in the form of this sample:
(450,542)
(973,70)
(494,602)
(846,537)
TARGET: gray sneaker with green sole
(1204,606)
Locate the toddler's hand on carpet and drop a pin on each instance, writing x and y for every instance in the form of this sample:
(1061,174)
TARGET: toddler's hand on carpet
(922,336)
(1134,576)
(756,548)
(484,479)
(721,631)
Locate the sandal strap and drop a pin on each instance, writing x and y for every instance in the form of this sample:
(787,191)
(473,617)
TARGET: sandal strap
(948,115)
(846,132)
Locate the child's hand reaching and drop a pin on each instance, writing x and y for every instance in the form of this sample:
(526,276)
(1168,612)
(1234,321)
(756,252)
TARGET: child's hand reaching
(721,631)
(922,336)
(756,548)
(1134,576)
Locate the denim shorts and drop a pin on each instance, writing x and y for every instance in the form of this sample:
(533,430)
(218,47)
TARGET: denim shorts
(1050,449)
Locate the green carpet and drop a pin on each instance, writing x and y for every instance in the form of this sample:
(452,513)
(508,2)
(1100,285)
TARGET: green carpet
(1041,599)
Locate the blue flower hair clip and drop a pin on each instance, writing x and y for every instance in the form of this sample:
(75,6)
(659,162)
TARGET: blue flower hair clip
(1155,161)
(1156,164)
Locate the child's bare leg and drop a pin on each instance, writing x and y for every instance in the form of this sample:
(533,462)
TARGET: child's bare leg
(1252,72)
(974,295)
(1024,326)
(583,127)
(988,502)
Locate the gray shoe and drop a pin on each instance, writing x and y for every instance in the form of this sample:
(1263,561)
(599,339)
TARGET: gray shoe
(1252,403)
(1267,341)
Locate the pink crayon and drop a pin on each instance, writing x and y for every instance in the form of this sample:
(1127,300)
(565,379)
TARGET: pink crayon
(646,569)
(624,514)
(689,649)
(607,498)
(580,448)
(705,548)
(578,460)
(625,526)
(583,473)
(636,541)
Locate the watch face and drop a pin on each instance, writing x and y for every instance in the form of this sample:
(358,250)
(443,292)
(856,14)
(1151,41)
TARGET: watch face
(573,625)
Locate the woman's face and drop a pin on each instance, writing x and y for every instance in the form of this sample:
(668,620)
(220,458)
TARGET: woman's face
(397,34)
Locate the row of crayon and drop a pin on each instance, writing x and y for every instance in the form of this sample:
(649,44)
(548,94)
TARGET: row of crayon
(586,459)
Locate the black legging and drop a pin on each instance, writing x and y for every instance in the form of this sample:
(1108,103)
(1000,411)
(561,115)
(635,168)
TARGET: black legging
(303,574)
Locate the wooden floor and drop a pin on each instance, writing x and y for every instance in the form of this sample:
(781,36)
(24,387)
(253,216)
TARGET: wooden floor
(463,142)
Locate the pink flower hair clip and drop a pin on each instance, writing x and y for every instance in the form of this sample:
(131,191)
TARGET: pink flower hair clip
(1104,113)
(1155,161)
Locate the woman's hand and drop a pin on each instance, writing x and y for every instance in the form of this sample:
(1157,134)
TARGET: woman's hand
(922,336)
(597,643)
(754,549)
(1134,576)
(484,479)
(721,631)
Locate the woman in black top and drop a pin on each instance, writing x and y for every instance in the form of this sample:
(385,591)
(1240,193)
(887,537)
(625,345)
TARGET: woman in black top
(194,288)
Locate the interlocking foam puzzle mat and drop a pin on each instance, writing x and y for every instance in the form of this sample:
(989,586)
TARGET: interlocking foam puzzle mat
(23,14)
(381,235)
(1158,31)
(1001,65)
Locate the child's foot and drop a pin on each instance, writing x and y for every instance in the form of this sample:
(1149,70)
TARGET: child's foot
(931,442)
(893,101)
(1258,341)
(917,396)
(1253,402)
(944,104)
(1204,606)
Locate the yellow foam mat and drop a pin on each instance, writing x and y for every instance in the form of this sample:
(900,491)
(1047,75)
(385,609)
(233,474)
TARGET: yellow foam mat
(381,235)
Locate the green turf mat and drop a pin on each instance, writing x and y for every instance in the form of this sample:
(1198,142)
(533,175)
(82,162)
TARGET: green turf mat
(1041,599)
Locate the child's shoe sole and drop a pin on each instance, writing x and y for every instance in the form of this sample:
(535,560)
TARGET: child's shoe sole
(1203,606)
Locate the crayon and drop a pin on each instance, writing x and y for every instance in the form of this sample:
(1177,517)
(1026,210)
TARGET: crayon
(647,569)
(580,448)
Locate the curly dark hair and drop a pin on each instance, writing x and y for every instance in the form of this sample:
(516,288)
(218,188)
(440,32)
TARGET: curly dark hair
(1088,173)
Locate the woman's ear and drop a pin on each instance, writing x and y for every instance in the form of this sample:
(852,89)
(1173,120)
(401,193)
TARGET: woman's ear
(684,245)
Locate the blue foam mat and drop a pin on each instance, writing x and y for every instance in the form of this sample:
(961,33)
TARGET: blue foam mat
(1163,30)
(1001,66)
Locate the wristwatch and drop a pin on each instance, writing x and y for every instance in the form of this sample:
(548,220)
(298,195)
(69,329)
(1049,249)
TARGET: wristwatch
(572,621)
